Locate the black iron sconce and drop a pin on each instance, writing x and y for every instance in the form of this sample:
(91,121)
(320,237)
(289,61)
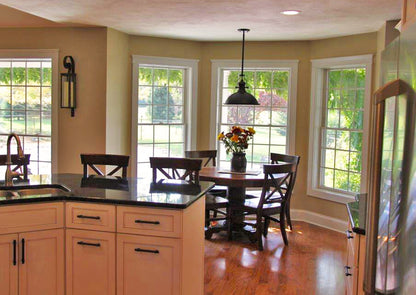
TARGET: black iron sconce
(68,83)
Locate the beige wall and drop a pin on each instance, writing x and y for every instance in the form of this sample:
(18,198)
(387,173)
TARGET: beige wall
(86,131)
(118,93)
(103,64)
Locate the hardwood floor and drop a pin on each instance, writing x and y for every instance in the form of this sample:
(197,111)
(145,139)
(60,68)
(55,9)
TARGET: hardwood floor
(311,264)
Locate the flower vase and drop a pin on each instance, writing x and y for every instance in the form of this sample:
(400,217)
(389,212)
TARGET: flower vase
(238,162)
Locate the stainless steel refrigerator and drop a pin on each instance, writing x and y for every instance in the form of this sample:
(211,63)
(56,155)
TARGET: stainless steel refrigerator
(391,224)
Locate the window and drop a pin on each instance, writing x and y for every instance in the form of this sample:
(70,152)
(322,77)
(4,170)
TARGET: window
(273,83)
(162,107)
(26,87)
(339,127)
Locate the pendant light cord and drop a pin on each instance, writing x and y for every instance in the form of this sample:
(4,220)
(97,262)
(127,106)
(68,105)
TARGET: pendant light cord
(242,56)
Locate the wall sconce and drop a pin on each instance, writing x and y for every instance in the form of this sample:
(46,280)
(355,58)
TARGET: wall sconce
(68,83)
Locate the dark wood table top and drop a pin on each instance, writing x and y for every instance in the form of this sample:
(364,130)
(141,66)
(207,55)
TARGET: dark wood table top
(228,179)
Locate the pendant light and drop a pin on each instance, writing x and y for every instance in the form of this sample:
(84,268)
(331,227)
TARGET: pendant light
(241,96)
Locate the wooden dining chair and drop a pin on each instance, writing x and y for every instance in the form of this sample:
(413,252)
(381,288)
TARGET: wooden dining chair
(282,158)
(216,204)
(20,164)
(119,161)
(176,168)
(273,201)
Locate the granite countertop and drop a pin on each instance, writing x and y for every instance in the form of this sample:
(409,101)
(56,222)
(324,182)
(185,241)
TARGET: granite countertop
(357,213)
(111,190)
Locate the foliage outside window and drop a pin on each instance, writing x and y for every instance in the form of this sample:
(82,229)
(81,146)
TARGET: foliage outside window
(161,122)
(342,130)
(26,108)
(269,119)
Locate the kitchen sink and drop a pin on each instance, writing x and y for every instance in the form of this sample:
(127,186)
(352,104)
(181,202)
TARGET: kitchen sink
(33,190)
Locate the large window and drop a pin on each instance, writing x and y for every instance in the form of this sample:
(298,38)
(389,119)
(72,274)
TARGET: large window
(273,119)
(26,109)
(339,126)
(162,110)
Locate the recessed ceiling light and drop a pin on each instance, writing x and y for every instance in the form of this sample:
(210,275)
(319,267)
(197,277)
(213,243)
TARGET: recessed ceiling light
(290,12)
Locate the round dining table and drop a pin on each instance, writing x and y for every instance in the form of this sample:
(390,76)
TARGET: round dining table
(237,184)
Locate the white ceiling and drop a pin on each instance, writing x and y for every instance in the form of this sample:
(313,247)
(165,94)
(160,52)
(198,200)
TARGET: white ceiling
(218,20)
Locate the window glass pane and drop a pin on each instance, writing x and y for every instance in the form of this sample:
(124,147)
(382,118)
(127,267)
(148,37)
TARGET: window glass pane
(32,122)
(18,122)
(46,73)
(344,115)
(33,98)
(19,73)
(45,149)
(46,128)
(5,73)
(18,98)
(31,146)
(4,97)
(33,73)
(46,99)
(269,119)
(5,121)
(160,114)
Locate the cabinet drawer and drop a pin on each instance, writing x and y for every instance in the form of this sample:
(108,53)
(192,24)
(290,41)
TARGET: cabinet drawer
(146,221)
(21,218)
(149,264)
(91,216)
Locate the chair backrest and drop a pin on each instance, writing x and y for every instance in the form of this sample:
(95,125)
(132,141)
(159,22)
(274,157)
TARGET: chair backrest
(120,161)
(181,168)
(209,155)
(279,158)
(20,163)
(276,175)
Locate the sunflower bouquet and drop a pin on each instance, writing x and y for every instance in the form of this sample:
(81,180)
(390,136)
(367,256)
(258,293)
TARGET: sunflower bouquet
(236,140)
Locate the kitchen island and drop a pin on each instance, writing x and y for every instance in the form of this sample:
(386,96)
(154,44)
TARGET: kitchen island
(102,236)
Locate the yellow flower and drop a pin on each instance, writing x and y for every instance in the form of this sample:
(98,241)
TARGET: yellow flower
(234,138)
(220,136)
(251,130)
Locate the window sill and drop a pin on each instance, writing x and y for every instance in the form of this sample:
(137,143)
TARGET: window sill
(330,195)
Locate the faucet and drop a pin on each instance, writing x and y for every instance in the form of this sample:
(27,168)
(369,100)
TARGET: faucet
(9,173)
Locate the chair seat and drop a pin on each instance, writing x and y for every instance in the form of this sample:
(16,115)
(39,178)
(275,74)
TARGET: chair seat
(213,202)
(252,204)
(219,190)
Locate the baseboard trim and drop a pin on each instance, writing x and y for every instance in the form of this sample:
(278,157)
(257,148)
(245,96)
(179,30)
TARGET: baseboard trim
(331,223)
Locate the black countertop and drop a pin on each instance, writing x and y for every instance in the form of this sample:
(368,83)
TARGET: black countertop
(357,213)
(112,190)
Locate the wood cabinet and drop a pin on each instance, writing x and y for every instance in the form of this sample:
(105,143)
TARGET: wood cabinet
(408,13)
(354,268)
(8,264)
(142,262)
(41,262)
(90,262)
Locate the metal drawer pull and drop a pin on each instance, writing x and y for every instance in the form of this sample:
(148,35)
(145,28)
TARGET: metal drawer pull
(23,251)
(146,250)
(89,217)
(89,244)
(146,221)
(347,271)
(349,234)
(14,252)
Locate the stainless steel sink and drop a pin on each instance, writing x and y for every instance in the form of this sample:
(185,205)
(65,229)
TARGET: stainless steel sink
(33,190)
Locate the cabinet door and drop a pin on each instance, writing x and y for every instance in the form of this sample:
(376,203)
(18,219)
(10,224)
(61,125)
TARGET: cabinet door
(41,262)
(148,264)
(90,263)
(8,265)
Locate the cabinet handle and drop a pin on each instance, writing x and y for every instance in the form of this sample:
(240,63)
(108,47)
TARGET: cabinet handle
(347,271)
(89,244)
(349,234)
(89,217)
(146,221)
(146,250)
(14,252)
(23,251)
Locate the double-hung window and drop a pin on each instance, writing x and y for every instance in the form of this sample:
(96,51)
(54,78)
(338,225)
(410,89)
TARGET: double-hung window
(338,137)
(26,87)
(164,109)
(273,83)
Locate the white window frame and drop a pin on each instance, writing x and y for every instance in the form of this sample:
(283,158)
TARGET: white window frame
(53,55)
(218,65)
(319,67)
(190,96)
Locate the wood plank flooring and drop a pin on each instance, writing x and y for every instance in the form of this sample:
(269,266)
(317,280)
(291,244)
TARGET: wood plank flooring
(311,264)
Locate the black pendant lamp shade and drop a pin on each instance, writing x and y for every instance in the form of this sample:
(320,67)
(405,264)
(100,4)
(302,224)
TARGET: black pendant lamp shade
(241,96)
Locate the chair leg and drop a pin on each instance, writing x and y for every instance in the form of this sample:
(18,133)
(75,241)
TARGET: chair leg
(266,226)
(228,222)
(207,223)
(289,221)
(259,233)
(283,227)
